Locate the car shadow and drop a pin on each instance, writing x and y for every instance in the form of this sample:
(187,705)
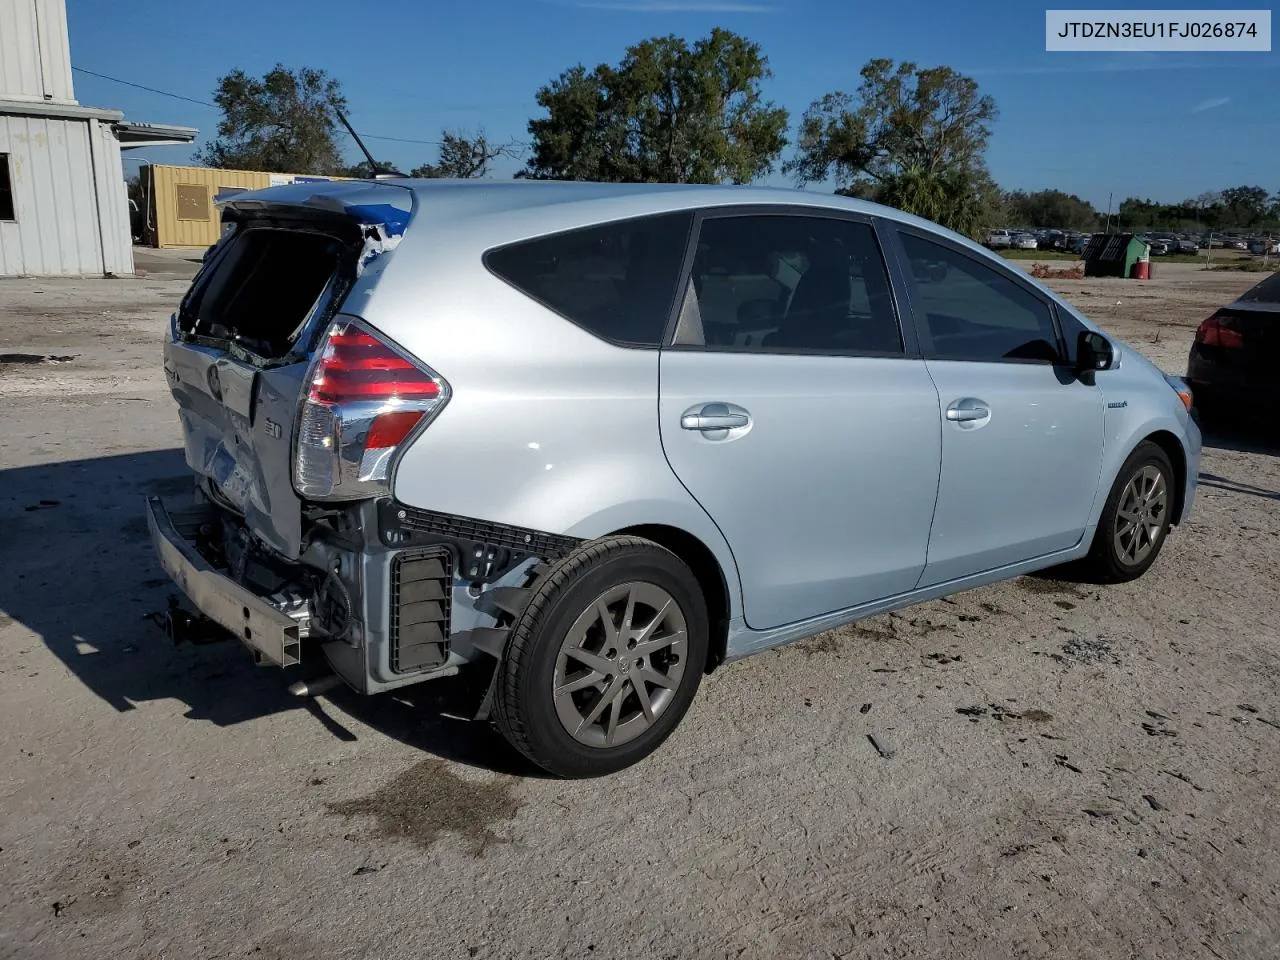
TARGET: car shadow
(80,574)
(1245,438)
(1234,486)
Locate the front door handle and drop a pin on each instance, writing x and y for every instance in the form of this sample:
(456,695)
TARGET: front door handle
(714,416)
(967,410)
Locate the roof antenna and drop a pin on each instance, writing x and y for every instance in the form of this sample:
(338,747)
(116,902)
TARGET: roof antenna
(379,172)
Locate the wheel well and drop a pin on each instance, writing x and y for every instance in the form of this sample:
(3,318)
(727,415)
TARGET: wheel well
(1172,447)
(706,569)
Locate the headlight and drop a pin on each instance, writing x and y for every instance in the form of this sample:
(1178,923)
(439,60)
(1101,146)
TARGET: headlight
(1182,389)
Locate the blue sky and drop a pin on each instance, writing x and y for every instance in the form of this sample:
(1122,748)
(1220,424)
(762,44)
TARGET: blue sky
(1165,126)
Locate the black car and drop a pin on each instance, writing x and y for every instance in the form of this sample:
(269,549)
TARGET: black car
(1236,355)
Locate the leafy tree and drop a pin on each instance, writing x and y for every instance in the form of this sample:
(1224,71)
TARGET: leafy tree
(1135,214)
(908,134)
(961,199)
(668,112)
(1050,208)
(464,157)
(282,123)
(1246,206)
(1208,208)
(1238,208)
(363,170)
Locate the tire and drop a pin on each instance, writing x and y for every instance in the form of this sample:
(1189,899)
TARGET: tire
(561,640)
(1115,557)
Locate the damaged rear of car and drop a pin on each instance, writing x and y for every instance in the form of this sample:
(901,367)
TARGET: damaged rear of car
(292,413)
(419,430)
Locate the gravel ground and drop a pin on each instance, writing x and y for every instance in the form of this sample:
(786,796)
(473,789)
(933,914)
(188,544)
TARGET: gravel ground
(1057,770)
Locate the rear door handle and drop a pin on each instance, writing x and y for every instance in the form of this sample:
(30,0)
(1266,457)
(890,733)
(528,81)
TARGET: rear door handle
(714,416)
(967,410)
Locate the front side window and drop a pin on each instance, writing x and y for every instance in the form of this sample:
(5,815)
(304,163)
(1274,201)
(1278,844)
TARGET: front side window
(971,312)
(780,283)
(616,280)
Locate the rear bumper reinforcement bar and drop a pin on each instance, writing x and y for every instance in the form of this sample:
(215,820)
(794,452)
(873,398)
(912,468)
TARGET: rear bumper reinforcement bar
(259,625)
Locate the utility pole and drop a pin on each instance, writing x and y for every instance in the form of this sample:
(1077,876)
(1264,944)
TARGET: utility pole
(1108,228)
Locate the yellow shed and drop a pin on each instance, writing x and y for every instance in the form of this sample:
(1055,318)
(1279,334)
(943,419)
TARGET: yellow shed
(179,201)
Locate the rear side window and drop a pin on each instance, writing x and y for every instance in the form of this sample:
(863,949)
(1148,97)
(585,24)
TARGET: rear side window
(972,312)
(780,283)
(616,280)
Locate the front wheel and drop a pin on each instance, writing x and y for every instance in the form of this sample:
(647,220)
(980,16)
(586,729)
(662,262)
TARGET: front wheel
(1136,518)
(605,660)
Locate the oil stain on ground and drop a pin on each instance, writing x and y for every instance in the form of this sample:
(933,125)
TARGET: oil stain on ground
(428,801)
(1042,585)
(829,642)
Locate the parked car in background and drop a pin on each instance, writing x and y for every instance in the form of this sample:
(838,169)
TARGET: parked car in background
(1263,246)
(1079,243)
(1223,243)
(1233,362)
(999,239)
(550,431)
(1159,248)
(1185,247)
(1052,240)
(1025,241)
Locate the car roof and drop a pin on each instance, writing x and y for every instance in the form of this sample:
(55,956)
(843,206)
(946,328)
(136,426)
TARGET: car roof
(554,198)
(488,213)
(498,211)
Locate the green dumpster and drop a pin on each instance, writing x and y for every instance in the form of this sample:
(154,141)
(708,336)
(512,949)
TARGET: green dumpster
(1113,255)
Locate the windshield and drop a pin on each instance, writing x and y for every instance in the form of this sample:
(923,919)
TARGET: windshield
(1268,291)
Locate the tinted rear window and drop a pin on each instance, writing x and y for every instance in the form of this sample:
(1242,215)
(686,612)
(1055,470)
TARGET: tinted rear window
(617,280)
(1268,291)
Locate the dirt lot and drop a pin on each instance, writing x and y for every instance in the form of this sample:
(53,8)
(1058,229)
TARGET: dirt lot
(1069,771)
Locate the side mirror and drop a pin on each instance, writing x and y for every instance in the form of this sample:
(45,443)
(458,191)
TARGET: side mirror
(1093,352)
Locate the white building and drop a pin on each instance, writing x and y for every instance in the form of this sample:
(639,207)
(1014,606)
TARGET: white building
(64,209)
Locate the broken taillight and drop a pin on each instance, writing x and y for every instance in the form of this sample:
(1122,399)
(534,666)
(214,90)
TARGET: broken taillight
(1216,331)
(364,398)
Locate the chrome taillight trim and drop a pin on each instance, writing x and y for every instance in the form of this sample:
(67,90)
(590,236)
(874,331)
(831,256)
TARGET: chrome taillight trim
(360,474)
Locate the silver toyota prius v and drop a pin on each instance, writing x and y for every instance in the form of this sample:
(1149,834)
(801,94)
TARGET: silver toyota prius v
(598,439)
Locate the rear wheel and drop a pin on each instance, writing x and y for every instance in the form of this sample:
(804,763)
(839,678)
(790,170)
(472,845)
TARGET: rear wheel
(605,660)
(1136,518)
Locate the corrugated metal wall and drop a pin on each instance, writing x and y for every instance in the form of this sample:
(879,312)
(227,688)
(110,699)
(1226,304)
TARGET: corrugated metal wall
(20,51)
(183,213)
(55,50)
(113,200)
(35,54)
(56,230)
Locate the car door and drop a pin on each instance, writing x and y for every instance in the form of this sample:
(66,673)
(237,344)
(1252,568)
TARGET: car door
(1022,435)
(792,410)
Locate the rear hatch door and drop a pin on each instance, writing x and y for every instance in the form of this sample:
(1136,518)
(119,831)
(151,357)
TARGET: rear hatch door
(240,344)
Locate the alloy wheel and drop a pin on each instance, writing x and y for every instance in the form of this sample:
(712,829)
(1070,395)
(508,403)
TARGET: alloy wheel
(1141,514)
(620,664)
